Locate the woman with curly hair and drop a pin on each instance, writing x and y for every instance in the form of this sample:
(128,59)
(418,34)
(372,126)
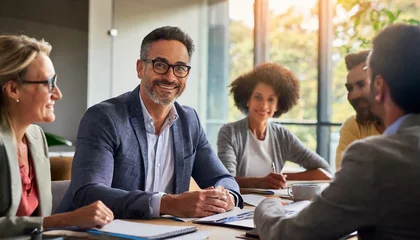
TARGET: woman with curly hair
(253,149)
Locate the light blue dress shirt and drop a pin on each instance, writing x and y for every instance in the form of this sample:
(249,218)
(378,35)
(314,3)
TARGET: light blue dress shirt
(161,162)
(392,129)
(160,157)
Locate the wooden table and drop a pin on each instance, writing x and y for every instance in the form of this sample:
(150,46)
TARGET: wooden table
(216,232)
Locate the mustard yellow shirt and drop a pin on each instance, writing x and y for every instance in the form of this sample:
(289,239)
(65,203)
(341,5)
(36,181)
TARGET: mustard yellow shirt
(350,131)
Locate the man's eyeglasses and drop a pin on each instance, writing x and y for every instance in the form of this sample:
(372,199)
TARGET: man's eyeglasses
(161,67)
(51,82)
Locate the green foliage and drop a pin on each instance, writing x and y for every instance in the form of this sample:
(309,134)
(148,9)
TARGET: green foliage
(241,58)
(54,140)
(367,18)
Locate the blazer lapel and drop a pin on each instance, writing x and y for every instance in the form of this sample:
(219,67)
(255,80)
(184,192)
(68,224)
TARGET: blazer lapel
(15,181)
(138,125)
(37,148)
(178,151)
(137,122)
(244,137)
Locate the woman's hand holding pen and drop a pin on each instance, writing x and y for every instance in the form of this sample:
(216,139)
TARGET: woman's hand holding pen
(272,181)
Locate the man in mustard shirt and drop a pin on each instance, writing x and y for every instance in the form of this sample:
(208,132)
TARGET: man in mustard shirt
(364,124)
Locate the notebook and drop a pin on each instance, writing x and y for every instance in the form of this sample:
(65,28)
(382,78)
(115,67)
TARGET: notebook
(133,230)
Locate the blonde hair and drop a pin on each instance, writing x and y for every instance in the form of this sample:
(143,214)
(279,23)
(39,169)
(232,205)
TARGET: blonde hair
(16,53)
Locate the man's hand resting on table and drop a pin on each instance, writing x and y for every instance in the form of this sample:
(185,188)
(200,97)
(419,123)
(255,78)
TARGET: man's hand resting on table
(201,203)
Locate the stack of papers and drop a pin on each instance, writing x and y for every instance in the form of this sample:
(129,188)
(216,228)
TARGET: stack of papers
(255,199)
(237,218)
(244,218)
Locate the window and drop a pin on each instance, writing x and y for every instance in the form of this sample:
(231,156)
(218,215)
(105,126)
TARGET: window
(231,46)
(241,50)
(311,38)
(293,43)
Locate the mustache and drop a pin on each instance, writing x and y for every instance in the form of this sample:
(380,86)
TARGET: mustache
(357,101)
(165,82)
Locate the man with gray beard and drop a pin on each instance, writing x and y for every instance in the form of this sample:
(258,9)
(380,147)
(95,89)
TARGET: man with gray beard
(364,124)
(137,152)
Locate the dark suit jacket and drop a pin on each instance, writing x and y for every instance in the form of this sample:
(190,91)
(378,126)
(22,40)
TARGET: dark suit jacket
(11,183)
(377,193)
(110,162)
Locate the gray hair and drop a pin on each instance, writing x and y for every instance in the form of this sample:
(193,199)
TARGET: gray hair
(166,33)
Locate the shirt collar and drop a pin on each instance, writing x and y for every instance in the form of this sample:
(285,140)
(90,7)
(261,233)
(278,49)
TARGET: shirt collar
(148,120)
(392,129)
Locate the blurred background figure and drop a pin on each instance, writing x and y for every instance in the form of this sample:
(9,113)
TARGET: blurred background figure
(364,123)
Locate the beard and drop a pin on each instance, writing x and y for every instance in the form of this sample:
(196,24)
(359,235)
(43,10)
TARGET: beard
(363,113)
(159,96)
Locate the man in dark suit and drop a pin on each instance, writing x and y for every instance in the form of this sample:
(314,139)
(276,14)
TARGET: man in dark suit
(137,152)
(376,193)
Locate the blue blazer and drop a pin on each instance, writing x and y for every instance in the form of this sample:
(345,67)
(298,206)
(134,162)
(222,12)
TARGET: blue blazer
(110,162)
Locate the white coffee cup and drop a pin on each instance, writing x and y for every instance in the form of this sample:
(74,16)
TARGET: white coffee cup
(303,191)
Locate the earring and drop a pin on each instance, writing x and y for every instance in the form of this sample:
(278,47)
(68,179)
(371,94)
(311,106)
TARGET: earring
(17,100)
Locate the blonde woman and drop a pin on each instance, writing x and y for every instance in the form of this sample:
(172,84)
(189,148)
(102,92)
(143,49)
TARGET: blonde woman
(28,91)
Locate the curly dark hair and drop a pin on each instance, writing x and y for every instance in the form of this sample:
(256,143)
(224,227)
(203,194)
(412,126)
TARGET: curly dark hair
(283,81)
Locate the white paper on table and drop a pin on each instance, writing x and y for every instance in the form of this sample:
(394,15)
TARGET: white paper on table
(284,192)
(236,211)
(252,199)
(248,223)
(243,218)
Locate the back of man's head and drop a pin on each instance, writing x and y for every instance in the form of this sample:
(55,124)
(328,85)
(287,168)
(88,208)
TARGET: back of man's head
(355,59)
(166,33)
(395,57)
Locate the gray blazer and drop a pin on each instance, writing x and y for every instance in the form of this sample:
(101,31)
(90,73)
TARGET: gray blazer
(11,184)
(232,141)
(376,192)
(110,162)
